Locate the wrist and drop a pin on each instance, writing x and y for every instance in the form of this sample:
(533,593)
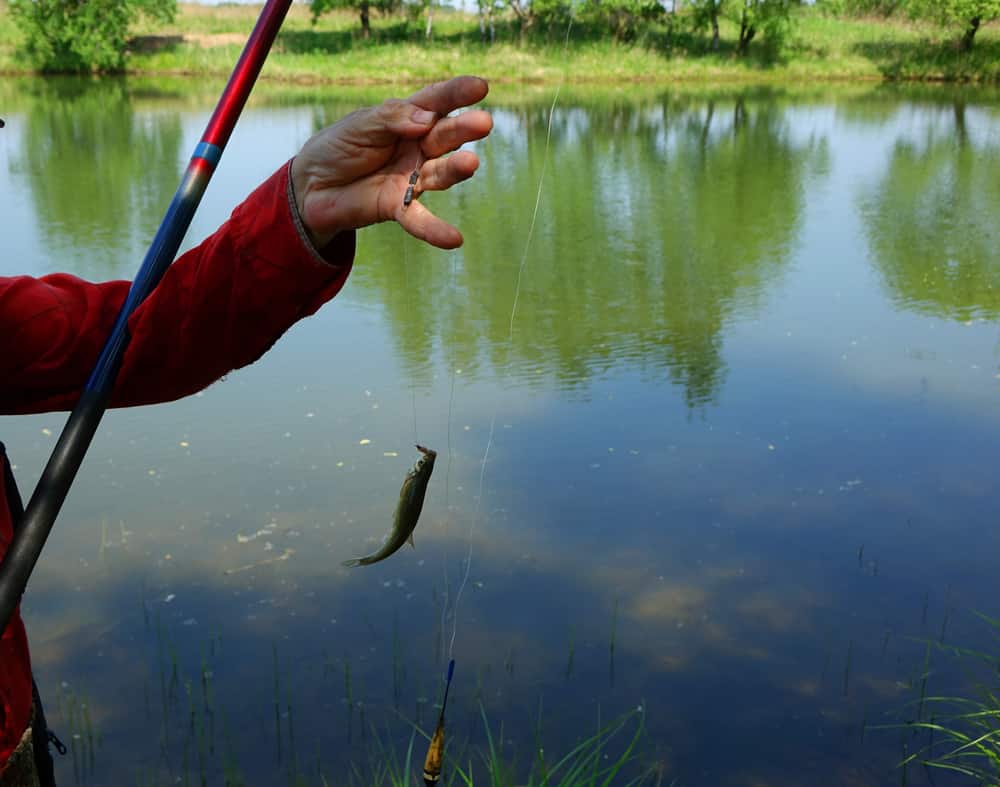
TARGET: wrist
(298,190)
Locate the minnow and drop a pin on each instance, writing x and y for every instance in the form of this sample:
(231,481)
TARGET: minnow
(408,196)
(435,752)
(411,500)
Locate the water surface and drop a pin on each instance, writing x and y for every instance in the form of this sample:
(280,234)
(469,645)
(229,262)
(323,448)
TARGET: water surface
(730,458)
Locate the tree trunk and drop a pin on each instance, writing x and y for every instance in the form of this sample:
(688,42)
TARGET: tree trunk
(714,46)
(366,28)
(747,32)
(970,33)
(430,21)
(525,16)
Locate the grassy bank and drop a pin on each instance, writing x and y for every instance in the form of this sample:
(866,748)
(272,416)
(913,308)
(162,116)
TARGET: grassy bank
(205,40)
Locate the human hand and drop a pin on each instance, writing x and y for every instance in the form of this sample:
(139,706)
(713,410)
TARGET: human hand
(355,172)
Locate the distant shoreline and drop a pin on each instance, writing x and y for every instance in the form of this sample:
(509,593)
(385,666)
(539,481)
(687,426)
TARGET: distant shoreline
(204,42)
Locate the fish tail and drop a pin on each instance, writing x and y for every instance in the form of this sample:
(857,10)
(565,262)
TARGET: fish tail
(354,561)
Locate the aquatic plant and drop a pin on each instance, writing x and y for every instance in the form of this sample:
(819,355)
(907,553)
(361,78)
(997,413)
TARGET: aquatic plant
(963,732)
(593,762)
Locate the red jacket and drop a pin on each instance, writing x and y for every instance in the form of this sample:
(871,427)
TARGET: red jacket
(220,306)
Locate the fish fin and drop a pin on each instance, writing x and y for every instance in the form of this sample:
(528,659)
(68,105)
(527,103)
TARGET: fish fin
(410,539)
(351,563)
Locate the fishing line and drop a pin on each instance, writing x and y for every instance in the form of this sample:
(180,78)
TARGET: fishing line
(534,213)
(409,315)
(447,496)
(468,557)
(510,338)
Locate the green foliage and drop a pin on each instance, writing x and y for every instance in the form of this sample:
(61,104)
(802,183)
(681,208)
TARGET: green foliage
(363,7)
(966,15)
(860,7)
(70,36)
(771,18)
(553,13)
(955,11)
(623,18)
(705,15)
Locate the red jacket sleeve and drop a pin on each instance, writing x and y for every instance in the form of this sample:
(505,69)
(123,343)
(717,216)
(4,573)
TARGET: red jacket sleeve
(220,306)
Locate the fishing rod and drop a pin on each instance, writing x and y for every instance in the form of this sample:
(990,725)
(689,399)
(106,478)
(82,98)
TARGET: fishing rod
(67,456)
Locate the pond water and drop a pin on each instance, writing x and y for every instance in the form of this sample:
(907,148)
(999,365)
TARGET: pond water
(731,459)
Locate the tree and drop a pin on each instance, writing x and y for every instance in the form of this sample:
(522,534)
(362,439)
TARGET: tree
(771,16)
(73,36)
(363,7)
(622,17)
(968,13)
(860,7)
(705,13)
(487,10)
(524,10)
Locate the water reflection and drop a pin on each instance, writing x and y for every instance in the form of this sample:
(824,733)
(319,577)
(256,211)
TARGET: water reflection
(766,571)
(656,226)
(932,220)
(98,171)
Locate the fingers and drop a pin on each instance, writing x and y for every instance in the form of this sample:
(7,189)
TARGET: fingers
(443,173)
(451,133)
(444,97)
(437,175)
(425,226)
(420,114)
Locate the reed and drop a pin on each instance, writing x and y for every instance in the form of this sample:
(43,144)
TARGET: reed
(590,763)
(963,733)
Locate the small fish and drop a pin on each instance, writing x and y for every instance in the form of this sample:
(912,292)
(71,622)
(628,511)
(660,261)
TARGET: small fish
(435,752)
(408,196)
(411,500)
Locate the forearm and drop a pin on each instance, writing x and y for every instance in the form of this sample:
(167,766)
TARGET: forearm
(219,307)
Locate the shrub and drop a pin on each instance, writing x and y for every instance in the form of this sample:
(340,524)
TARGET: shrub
(70,36)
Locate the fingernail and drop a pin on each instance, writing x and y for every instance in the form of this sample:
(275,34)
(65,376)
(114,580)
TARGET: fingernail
(423,116)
